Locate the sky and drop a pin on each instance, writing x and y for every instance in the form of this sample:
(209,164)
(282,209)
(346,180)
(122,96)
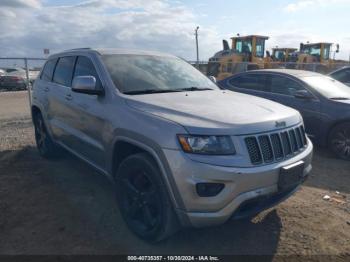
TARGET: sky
(29,26)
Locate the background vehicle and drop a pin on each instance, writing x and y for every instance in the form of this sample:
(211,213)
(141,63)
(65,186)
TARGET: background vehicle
(246,53)
(179,149)
(15,71)
(316,57)
(282,54)
(323,102)
(342,75)
(13,79)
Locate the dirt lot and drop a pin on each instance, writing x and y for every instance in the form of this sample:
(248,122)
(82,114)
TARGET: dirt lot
(65,207)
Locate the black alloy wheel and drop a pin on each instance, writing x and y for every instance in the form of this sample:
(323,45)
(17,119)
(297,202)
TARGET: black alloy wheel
(142,198)
(339,140)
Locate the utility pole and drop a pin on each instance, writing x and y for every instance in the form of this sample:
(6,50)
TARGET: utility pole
(196,34)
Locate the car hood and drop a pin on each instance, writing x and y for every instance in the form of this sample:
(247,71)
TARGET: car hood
(216,111)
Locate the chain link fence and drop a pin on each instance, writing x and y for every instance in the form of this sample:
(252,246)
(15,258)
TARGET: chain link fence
(237,67)
(19,73)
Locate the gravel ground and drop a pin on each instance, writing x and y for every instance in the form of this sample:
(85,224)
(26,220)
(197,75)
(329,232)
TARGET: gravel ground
(65,207)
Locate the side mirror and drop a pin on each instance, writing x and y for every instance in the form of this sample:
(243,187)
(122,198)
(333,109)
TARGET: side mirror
(303,94)
(85,85)
(213,79)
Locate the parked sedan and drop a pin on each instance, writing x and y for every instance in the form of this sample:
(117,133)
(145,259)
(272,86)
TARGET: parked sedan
(323,101)
(12,83)
(342,75)
(13,79)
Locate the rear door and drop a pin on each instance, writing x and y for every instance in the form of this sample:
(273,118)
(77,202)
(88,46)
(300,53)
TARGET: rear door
(60,116)
(43,86)
(281,89)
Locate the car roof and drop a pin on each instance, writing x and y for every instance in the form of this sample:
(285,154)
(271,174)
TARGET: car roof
(12,68)
(111,51)
(292,72)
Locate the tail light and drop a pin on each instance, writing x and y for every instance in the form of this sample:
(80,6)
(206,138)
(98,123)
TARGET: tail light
(16,78)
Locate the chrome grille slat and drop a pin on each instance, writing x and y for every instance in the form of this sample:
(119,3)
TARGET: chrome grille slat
(299,139)
(303,136)
(279,135)
(276,146)
(293,140)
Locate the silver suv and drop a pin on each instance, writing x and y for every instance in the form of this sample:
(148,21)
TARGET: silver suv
(180,151)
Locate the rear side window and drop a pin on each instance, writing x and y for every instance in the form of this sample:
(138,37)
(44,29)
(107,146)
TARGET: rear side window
(85,67)
(64,71)
(48,70)
(251,82)
(283,85)
(342,76)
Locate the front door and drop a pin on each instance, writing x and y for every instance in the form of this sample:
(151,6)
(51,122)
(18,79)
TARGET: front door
(282,89)
(88,114)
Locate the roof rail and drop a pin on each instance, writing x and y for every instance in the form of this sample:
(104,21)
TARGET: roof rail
(75,49)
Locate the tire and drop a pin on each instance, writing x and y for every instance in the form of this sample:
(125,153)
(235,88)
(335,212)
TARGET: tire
(339,141)
(143,200)
(46,147)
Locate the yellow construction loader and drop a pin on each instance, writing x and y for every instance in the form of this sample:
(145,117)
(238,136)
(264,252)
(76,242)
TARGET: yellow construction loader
(246,53)
(316,57)
(282,54)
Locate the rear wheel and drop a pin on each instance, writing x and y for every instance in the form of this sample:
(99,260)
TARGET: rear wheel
(46,147)
(339,140)
(143,200)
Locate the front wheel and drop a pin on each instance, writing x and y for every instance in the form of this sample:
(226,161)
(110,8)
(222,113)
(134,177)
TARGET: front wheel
(143,200)
(339,140)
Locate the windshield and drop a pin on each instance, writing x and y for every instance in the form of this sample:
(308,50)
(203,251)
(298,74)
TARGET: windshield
(244,46)
(312,50)
(279,54)
(328,87)
(136,74)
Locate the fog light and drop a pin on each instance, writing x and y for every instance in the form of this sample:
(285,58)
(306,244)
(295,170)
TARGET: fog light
(209,189)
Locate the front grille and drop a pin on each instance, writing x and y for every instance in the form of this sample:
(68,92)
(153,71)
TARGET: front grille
(272,147)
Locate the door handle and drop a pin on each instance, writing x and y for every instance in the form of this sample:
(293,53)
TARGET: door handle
(69,97)
(46,89)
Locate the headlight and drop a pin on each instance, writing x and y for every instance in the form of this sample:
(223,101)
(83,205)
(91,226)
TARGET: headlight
(207,145)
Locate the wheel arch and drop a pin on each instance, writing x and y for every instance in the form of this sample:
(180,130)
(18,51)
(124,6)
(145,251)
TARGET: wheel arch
(333,125)
(35,110)
(124,146)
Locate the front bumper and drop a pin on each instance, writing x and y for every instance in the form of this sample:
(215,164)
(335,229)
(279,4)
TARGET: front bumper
(241,185)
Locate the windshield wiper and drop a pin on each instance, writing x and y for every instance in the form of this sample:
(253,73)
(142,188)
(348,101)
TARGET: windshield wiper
(340,98)
(149,91)
(195,88)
